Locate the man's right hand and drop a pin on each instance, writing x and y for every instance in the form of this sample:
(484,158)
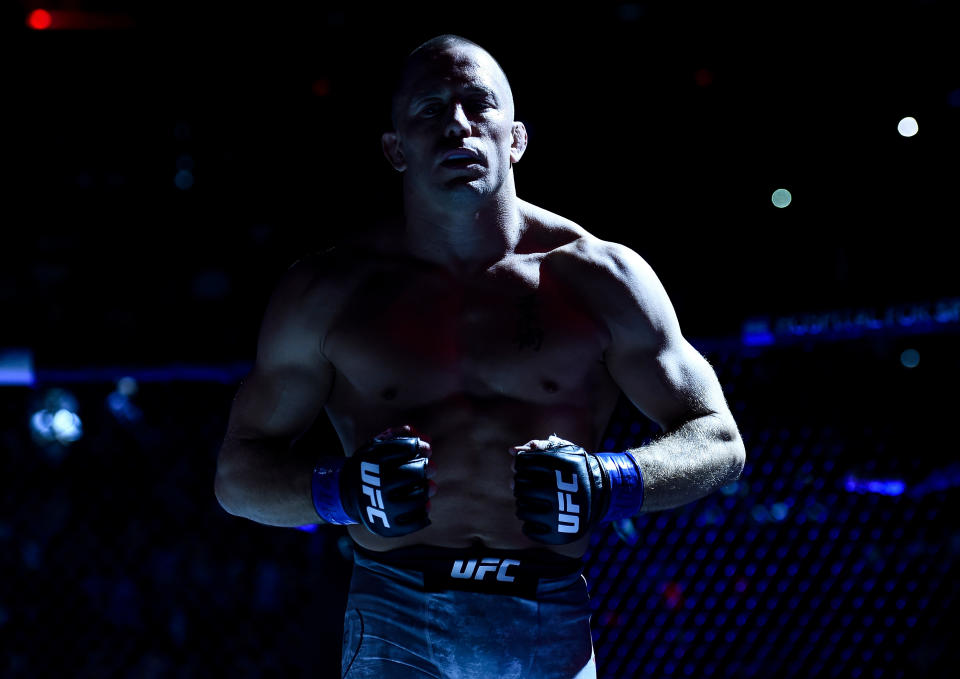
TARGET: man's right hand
(385,484)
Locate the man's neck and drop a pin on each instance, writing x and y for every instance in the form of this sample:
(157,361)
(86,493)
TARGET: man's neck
(465,240)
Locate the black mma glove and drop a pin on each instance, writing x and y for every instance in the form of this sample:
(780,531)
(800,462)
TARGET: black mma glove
(384,486)
(562,491)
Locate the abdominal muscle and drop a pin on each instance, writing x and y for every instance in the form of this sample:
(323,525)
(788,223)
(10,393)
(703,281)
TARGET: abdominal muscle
(470,441)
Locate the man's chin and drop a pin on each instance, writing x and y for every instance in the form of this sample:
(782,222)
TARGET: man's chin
(460,190)
(466,188)
(464,182)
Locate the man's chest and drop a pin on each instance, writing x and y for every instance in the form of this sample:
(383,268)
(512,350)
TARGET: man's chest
(423,338)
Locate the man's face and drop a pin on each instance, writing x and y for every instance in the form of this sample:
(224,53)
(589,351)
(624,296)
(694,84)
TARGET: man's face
(455,98)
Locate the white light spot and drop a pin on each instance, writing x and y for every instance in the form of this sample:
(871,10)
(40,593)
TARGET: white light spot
(66,426)
(42,424)
(781,198)
(908,127)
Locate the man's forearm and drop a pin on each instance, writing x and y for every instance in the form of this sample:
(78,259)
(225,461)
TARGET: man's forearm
(266,482)
(689,463)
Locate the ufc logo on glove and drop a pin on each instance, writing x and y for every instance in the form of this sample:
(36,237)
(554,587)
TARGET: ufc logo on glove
(370,478)
(567,522)
(589,488)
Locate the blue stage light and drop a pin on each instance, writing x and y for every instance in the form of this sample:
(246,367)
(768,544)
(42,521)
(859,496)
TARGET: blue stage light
(779,511)
(910,358)
(16,367)
(183,180)
(57,420)
(890,487)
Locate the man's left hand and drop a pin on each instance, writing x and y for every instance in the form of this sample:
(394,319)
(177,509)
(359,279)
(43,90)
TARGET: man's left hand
(559,489)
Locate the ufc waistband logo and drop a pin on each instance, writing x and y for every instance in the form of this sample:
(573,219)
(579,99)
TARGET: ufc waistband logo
(569,519)
(472,570)
(370,478)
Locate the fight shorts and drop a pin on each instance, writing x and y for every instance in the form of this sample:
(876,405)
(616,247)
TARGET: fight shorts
(475,613)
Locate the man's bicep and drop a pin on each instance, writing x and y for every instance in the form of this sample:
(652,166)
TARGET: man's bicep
(278,402)
(291,380)
(661,373)
(671,383)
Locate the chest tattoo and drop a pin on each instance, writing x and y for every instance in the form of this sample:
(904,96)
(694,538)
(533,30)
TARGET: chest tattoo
(529,332)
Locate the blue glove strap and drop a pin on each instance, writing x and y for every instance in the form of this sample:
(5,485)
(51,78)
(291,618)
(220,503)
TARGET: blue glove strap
(325,484)
(626,485)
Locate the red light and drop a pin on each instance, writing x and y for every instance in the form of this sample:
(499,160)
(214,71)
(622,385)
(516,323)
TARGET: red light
(321,87)
(39,19)
(69,20)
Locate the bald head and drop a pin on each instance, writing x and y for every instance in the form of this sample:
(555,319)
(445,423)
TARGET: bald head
(430,53)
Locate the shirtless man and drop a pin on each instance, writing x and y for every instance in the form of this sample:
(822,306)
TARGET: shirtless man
(470,362)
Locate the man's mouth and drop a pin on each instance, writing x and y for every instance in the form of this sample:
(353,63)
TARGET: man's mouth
(460,158)
(460,162)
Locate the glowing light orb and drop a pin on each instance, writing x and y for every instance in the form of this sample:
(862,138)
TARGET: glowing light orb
(781,198)
(910,358)
(908,127)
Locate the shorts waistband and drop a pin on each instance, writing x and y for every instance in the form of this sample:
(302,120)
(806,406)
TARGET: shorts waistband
(514,572)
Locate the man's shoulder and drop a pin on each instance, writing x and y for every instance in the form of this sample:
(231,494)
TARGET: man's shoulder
(550,230)
(582,254)
(612,277)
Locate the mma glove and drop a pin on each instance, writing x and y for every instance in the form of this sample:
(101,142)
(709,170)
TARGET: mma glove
(562,491)
(383,486)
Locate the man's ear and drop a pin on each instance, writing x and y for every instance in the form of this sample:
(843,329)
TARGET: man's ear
(391,149)
(519,143)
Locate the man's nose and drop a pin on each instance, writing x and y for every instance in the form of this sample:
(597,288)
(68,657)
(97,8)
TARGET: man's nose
(458,125)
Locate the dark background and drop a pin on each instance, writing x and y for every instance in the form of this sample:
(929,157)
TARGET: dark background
(662,125)
(623,141)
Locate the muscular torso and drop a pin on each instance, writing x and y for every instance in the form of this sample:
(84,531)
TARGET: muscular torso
(478,364)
